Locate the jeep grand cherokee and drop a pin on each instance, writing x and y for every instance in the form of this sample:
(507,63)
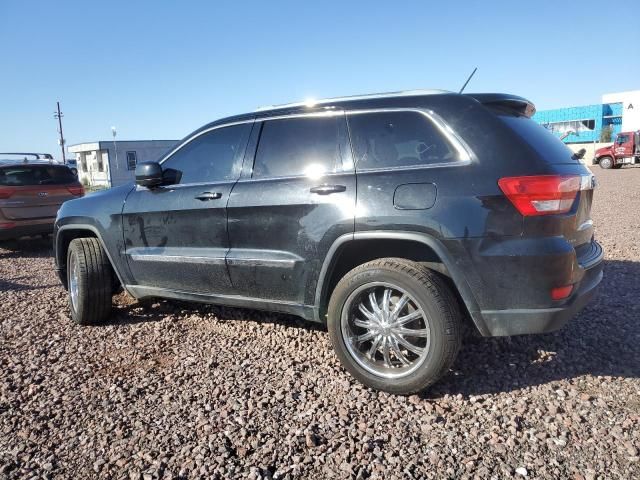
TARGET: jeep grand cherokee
(392,218)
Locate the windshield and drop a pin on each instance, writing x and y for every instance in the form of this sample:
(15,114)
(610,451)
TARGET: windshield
(23,175)
(540,139)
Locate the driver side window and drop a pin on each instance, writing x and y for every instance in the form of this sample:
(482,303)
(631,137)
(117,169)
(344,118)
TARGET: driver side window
(215,156)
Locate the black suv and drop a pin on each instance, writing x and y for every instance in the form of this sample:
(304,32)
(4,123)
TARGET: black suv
(392,218)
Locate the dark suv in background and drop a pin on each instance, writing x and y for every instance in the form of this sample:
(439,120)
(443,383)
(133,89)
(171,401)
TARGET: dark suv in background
(391,218)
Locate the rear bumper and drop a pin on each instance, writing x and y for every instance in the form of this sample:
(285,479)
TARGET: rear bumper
(22,230)
(507,282)
(544,320)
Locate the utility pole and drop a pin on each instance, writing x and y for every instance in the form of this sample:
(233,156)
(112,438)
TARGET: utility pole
(115,147)
(58,115)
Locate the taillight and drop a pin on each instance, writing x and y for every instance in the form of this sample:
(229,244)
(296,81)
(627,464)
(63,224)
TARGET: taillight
(6,192)
(560,293)
(541,194)
(76,190)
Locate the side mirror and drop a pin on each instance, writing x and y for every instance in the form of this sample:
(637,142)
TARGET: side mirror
(171,176)
(579,155)
(149,174)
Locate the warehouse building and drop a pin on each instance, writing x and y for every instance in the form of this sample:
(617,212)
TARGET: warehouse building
(105,164)
(582,124)
(589,126)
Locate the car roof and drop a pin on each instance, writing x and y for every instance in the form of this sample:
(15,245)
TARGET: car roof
(310,106)
(365,101)
(352,98)
(404,98)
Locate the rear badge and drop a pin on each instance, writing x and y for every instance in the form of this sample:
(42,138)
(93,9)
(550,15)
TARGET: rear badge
(43,194)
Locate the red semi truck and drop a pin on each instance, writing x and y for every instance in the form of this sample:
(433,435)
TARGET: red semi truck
(624,151)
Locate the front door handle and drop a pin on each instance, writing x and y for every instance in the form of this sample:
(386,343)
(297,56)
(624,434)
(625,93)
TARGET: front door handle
(327,189)
(204,196)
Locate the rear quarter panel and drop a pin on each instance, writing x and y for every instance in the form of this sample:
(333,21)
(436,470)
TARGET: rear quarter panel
(468,201)
(471,217)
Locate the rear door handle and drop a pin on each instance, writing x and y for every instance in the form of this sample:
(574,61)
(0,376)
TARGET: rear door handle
(204,196)
(327,189)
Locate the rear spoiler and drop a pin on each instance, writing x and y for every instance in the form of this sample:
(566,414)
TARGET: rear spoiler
(505,101)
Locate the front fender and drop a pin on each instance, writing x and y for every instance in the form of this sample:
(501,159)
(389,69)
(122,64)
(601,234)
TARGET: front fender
(97,215)
(603,152)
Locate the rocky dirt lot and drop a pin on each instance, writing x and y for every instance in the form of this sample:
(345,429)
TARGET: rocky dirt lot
(185,391)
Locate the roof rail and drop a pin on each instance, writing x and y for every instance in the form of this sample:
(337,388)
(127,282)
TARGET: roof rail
(39,156)
(313,102)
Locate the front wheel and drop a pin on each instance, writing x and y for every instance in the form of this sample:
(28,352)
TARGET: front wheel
(606,163)
(89,280)
(395,326)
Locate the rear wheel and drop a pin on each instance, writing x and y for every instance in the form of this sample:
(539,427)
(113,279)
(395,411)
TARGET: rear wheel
(606,163)
(89,280)
(394,325)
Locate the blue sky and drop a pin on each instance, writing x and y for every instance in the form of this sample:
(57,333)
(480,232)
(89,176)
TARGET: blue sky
(159,69)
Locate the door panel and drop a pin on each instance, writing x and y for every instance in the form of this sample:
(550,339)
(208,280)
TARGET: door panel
(281,227)
(623,146)
(280,233)
(176,241)
(176,235)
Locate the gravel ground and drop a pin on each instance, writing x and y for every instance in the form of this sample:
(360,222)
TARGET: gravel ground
(172,390)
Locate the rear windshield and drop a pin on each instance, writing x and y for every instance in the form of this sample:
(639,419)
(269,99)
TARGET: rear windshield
(540,139)
(23,175)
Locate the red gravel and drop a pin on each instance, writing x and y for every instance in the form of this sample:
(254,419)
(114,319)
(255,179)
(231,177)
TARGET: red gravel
(175,391)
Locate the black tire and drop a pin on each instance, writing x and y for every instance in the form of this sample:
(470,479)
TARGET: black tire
(94,281)
(432,295)
(606,163)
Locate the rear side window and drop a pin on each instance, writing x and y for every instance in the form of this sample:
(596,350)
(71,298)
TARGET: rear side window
(540,139)
(298,146)
(214,156)
(25,175)
(397,139)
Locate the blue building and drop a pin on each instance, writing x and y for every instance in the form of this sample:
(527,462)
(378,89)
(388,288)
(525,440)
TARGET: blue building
(582,124)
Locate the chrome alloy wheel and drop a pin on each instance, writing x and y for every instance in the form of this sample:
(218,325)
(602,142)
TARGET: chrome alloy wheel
(385,330)
(73,281)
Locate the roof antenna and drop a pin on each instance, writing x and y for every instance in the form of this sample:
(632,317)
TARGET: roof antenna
(468,79)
